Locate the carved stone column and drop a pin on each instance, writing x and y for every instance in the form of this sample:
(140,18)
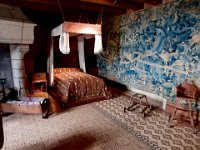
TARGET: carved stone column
(17,52)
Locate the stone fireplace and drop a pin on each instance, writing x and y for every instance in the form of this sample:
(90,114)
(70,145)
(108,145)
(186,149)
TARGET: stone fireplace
(17,52)
(17,31)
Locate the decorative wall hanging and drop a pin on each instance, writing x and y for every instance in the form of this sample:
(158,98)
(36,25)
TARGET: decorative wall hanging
(152,53)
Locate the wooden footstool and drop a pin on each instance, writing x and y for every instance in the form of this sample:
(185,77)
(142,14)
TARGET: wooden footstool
(29,105)
(136,103)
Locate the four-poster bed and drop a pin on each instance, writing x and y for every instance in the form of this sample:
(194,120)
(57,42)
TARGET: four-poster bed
(72,84)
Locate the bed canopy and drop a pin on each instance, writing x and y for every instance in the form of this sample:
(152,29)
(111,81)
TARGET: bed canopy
(81,30)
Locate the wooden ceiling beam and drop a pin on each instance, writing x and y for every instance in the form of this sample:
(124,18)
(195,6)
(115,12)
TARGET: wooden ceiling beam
(32,6)
(117,3)
(92,7)
(152,2)
(77,4)
(52,6)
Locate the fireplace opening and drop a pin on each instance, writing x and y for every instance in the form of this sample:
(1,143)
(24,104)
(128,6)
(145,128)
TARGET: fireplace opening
(5,71)
(5,65)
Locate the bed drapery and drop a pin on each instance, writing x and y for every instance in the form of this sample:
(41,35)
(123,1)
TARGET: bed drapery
(82,30)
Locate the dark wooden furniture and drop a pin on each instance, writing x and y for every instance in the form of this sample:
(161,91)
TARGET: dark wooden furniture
(186,95)
(38,82)
(3,81)
(136,102)
(1,132)
(29,105)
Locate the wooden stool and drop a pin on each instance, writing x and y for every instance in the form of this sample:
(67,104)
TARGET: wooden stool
(136,102)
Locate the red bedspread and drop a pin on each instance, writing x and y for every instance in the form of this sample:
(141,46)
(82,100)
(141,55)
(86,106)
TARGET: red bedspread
(73,84)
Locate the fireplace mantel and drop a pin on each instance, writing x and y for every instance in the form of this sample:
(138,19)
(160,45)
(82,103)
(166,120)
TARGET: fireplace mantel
(15,27)
(15,32)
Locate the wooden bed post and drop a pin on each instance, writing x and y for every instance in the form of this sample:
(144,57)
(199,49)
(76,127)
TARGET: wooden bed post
(81,54)
(50,63)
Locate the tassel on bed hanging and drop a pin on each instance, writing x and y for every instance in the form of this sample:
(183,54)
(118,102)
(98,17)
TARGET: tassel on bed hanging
(64,43)
(98,47)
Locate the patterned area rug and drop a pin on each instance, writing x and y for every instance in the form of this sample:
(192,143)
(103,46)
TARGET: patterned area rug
(153,130)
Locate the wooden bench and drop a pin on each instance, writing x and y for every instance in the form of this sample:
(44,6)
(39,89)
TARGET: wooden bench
(29,105)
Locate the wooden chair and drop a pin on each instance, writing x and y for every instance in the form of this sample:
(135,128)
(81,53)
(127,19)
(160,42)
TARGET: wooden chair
(186,93)
(38,82)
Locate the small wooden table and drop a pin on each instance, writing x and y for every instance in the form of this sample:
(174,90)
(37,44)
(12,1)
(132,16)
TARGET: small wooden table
(136,103)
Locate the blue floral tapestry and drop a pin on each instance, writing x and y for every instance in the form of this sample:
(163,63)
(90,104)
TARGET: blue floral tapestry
(151,50)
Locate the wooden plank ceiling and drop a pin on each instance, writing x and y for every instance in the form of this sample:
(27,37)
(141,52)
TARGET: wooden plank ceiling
(73,10)
(110,7)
